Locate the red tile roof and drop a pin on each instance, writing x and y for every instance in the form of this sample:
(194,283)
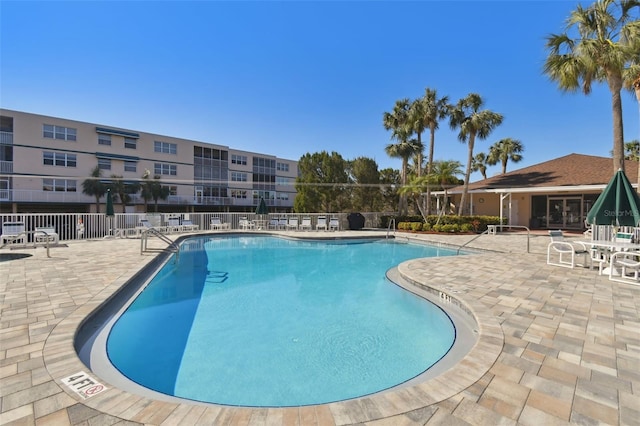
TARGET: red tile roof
(570,170)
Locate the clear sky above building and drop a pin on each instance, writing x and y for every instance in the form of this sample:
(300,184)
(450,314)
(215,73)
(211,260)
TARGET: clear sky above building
(292,77)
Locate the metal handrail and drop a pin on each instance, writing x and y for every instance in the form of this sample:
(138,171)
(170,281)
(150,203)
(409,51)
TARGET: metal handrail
(392,221)
(173,247)
(501,226)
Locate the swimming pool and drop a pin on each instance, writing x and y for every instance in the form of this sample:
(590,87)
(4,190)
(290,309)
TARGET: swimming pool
(276,322)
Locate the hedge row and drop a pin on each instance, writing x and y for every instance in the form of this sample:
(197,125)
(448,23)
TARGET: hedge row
(448,223)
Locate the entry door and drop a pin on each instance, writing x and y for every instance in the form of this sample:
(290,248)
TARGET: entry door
(565,213)
(198,195)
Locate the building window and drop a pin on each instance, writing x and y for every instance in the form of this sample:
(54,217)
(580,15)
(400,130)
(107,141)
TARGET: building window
(283,181)
(61,159)
(239,159)
(165,147)
(238,177)
(238,193)
(165,169)
(104,164)
(59,185)
(130,143)
(282,167)
(58,132)
(104,139)
(284,196)
(173,191)
(130,166)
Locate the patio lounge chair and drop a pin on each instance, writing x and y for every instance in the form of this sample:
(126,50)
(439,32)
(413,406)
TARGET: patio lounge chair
(189,226)
(246,223)
(563,249)
(13,233)
(322,223)
(292,223)
(273,224)
(173,225)
(44,234)
(282,223)
(216,223)
(305,224)
(334,224)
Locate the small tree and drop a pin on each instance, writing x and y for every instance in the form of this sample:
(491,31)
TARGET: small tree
(94,187)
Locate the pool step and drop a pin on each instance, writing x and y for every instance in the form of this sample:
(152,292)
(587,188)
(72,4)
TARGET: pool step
(216,277)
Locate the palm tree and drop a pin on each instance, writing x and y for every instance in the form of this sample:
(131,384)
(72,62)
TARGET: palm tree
(94,187)
(504,150)
(444,174)
(416,124)
(632,150)
(403,150)
(605,46)
(473,123)
(480,163)
(122,190)
(397,122)
(434,110)
(636,87)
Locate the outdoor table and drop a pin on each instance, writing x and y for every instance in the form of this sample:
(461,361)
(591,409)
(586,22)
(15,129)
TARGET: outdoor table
(605,248)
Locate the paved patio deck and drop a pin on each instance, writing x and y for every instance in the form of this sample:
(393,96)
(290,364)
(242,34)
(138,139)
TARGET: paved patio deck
(556,346)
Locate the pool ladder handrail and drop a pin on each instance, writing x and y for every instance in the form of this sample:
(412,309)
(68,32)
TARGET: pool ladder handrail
(486,231)
(172,246)
(392,221)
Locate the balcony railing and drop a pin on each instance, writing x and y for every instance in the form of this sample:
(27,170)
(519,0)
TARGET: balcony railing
(6,167)
(6,138)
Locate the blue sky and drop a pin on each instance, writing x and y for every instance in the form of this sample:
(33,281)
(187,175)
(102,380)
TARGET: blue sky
(291,77)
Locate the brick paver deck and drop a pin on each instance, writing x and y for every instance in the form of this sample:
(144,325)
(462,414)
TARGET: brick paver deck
(556,345)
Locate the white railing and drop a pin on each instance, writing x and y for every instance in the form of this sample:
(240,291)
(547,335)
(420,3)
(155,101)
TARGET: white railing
(6,167)
(80,226)
(6,138)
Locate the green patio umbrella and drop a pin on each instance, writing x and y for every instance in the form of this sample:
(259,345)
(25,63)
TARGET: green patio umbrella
(110,214)
(110,203)
(262,207)
(618,204)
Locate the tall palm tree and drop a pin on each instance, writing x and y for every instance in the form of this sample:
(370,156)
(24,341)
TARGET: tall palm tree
(473,123)
(434,109)
(605,45)
(636,87)
(480,163)
(504,150)
(94,187)
(397,121)
(416,124)
(123,190)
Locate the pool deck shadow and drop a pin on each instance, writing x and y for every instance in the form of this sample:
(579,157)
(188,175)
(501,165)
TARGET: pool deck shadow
(556,345)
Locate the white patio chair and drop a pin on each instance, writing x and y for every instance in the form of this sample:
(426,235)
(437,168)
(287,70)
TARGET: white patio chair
(189,226)
(44,234)
(625,267)
(322,223)
(305,224)
(334,224)
(273,224)
(292,223)
(216,223)
(563,249)
(13,233)
(246,223)
(282,223)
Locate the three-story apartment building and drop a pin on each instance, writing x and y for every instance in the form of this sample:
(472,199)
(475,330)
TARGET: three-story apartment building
(45,160)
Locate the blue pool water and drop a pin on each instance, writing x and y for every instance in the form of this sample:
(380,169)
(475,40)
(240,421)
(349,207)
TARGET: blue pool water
(270,322)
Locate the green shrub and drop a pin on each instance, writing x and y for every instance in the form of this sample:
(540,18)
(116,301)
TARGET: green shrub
(416,226)
(467,227)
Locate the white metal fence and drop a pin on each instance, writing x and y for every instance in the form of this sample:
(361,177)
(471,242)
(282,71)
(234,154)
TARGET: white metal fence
(77,226)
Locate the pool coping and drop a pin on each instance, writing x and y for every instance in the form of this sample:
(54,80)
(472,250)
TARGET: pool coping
(61,361)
